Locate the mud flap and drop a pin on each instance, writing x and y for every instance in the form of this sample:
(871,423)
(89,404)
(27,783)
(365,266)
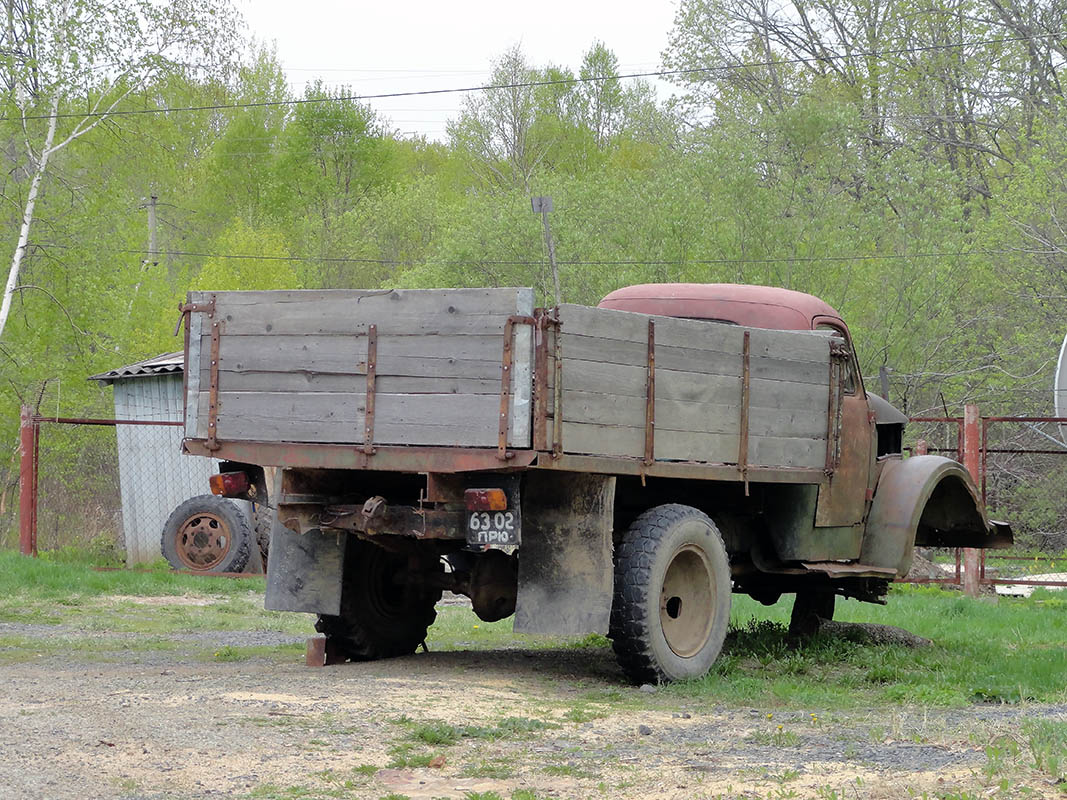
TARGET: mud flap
(304,571)
(565,566)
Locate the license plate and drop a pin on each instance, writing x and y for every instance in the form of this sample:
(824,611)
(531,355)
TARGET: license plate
(493,527)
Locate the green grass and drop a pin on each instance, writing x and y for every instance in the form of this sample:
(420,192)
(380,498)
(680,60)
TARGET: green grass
(1004,650)
(439,732)
(985,651)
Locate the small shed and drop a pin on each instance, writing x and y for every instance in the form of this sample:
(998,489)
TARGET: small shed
(154,476)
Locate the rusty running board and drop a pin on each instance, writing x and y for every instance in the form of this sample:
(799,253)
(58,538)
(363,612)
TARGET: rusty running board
(837,569)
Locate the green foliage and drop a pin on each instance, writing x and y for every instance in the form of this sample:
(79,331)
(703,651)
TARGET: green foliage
(899,189)
(1047,741)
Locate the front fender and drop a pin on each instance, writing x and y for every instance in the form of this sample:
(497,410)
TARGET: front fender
(926,500)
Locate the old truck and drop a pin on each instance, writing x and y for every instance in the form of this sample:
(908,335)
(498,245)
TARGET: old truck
(620,469)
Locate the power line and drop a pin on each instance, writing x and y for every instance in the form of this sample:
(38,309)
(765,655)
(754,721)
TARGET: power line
(552,82)
(531,263)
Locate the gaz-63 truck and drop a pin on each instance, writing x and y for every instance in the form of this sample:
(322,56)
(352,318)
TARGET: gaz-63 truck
(619,469)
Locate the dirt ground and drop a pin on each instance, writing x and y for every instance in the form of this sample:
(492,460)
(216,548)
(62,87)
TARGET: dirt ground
(558,723)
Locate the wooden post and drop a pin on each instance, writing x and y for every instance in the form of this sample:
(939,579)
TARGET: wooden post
(28,483)
(972,443)
(921,448)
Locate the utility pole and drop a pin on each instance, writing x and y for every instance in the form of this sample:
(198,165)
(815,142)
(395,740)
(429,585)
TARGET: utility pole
(153,256)
(542,205)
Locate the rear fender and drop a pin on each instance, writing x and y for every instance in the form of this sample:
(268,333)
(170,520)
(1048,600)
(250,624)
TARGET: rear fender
(929,501)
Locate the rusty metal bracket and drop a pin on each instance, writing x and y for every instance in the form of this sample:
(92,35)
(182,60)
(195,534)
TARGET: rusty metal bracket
(839,355)
(746,381)
(507,362)
(557,409)
(372,372)
(185,309)
(213,391)
(540,388)
(650,397)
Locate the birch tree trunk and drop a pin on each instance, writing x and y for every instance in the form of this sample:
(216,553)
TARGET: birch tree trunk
(27,216)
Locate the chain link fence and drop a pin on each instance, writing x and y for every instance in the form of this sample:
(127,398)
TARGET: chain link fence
(103,484)
(1023,469)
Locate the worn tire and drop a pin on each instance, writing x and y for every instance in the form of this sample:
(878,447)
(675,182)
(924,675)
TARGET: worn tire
(207,533)
(379,618)
(671,606)
(264,521)
(809,607)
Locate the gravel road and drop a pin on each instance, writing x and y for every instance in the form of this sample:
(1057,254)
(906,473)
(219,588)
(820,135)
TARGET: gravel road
(134,724)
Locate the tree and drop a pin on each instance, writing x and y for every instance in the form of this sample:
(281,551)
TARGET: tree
(600,94)
(93,55)
(494,127)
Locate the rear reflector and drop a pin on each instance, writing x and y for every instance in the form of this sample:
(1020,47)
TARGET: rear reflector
(229,484)
(485,500)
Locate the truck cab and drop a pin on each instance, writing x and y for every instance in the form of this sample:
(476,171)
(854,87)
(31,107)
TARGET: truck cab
(851,517)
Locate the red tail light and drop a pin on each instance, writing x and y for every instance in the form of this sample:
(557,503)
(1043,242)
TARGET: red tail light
(485,499)
(229,484)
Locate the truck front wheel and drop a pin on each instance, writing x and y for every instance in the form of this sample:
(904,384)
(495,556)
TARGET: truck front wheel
(382,615)
(671,606)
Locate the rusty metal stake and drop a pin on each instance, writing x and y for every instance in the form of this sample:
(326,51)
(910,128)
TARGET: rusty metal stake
(972,463)
(650,397)
(29,434)
(321,652)
(557,411)
(213,390)
(372,372)
(742,449)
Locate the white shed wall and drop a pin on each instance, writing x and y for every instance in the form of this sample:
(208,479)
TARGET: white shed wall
(154,476)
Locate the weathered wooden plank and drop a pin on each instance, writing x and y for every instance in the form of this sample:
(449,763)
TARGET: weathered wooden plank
(715,448)
(390,384)
(421,419)
(395,312)
(629,381)
(703,417)
(686,359)
(347,355)
(693,334)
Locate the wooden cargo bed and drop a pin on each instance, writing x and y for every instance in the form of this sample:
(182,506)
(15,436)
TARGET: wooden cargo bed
(425,368)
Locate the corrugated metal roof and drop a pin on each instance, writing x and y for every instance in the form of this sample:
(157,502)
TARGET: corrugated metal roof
(160,365)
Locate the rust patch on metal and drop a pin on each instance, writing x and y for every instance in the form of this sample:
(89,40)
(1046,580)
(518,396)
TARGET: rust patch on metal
(650,396)
(746,384)
(839,355)
(185,309)
(372,369)
(203,541)
(540,389)
(557,409)
(213,391)
(321,652)
(341,456)
(375,517)
(505,389)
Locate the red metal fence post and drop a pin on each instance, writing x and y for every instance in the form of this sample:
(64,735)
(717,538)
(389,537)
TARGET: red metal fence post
(921,448)
(972,446)
(28,483)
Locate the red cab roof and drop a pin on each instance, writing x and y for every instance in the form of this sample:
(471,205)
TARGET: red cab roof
(753,306)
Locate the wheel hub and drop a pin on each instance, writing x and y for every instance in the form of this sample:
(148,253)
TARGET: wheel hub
(203,541)
(687,607)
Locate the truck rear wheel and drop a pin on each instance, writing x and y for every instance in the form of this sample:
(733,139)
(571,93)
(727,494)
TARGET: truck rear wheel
(672,595)
(381,616)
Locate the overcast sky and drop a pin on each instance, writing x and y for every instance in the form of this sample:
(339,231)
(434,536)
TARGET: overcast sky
(378,47)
